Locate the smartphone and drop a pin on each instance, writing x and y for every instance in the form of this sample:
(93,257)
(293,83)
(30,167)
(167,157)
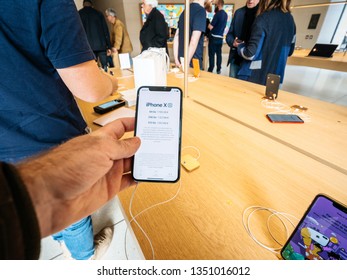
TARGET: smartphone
(158,123)
(196,67)
(272,86)
(109,106)
(283,118)
(321,234)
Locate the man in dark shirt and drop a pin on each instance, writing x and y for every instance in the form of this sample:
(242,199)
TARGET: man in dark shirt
(98,35)
(154,32)
(197,27)
(216,37)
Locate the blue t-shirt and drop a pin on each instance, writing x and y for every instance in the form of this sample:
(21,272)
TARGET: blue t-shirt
(219,22)
(197,21)
(37,110)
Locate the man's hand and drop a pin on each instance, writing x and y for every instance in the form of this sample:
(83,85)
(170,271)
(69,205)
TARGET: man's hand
(78,177)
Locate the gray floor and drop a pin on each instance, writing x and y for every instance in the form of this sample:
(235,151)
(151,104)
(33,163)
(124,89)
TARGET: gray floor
(326,85)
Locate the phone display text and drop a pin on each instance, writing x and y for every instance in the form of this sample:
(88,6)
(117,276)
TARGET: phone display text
(158,124)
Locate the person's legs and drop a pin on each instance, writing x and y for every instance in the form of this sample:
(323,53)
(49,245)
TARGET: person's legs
(102,58)
(78,238)
(211,53)
(233,70)
(218,49)
(109,61)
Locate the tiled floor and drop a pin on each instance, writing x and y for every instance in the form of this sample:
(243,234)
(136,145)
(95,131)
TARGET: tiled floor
(322,84)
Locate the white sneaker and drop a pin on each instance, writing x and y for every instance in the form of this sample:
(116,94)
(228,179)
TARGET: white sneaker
(102,241)
(66,252)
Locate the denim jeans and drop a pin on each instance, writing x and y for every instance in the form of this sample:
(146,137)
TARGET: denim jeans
(79,239)
(234,69)
(103,58)
(215,48)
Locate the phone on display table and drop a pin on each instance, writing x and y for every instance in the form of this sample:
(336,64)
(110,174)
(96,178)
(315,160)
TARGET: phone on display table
(109,106)
(272,86)
(283,118)
(158,123)
(321,234)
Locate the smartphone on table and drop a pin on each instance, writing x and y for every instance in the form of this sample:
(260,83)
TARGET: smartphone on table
(284,118)
(109,106)
(272,86)
(321,234)
(158,123)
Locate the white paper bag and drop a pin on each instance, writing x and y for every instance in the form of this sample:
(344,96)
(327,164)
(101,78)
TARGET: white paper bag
(151,67)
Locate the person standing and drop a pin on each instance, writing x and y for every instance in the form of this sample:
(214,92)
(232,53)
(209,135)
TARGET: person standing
(208,9)
(98,35)
(120,39)
(215,44)
(197,26)
(240,30)
(272,40)
(38,110)
(154,32)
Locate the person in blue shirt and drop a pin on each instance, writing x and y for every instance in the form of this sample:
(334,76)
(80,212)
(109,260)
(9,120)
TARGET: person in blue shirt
(240,30)
(46,62)
(272,40)
(197,26)
(216,37)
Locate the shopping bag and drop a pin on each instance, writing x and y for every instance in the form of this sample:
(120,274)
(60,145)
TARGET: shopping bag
(151,68)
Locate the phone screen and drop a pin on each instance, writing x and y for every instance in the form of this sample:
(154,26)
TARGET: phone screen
(108,104)
(158,124)
(282,118)
(321,234)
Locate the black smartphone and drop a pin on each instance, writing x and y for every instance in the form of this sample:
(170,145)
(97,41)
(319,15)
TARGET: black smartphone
(109,106)
(158,123)
(321,234)
(284,118)
(272,86)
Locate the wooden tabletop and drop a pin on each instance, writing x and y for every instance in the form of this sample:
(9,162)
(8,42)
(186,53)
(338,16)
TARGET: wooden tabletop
(322,137)
(338,62)
(245,161)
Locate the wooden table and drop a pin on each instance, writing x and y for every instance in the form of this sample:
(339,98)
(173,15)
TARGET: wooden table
(338,62)
(245,161)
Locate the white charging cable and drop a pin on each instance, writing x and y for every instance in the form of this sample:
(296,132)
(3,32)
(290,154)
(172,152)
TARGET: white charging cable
(283,217)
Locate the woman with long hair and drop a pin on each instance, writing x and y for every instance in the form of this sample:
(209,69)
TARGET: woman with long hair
(272,41)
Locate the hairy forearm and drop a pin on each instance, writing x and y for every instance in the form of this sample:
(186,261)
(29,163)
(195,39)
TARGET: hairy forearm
(73,180)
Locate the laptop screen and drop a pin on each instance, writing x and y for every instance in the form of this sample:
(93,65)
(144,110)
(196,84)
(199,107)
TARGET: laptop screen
(323,50)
